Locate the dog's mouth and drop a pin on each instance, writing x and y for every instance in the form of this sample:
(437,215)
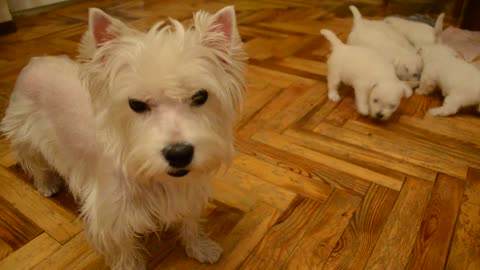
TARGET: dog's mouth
(177,172)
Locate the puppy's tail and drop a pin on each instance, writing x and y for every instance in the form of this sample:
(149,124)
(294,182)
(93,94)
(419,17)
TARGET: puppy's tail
(437,30)
(357,16)
(334,40)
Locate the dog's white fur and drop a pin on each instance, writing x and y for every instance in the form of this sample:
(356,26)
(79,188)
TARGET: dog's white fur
(417,33)
(378,91)
(458,79)
(73,120)
(381,37)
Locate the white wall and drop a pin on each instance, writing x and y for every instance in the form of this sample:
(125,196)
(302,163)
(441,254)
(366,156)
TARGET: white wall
(18,5)
(4,12)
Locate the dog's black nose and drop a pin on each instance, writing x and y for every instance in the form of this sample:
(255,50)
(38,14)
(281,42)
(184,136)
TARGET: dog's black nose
(379,115)
(178,155)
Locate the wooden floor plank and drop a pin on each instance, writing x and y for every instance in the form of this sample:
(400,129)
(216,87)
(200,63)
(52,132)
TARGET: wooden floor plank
(400,148)
(451,152)
(55,220)
(283,143)
(320,239)
(15,229)
(465,248)
(5,249)
(285,177)
(243,190)
(75,253)
(358,155)
(433,240)
(460,128)
(272,110)
(398,237)
(358,240)
(29,255)
(277,245)
(320,173)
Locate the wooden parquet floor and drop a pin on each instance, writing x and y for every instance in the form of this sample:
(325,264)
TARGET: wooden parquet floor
(313,186)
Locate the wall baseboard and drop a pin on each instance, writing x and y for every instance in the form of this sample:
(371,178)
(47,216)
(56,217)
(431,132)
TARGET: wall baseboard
(21,5)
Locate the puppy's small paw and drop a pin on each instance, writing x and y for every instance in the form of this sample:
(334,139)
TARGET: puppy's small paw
(413,84)
(333,96)
(440,111)
(205,250)
(421,91)
(362,110)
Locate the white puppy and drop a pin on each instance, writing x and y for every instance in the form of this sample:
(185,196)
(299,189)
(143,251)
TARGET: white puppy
(137,130)
(458,79)
(381,37)
(378,91)
(417,33)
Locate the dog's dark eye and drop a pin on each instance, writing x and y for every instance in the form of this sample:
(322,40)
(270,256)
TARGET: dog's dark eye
(200,98)
(375,100)
(138,106)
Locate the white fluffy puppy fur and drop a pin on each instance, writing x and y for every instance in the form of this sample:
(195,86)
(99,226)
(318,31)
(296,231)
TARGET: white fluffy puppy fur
(458,79)
(417,33)
(378,91)
(381,37)
(137,130)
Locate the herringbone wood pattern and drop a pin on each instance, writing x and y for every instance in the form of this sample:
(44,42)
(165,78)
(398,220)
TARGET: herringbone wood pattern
(313,186)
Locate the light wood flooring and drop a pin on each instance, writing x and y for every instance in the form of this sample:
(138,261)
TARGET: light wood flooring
(313,186)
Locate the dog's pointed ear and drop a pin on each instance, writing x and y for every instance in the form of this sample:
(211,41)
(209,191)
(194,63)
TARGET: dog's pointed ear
(223,26)
(103,27)
(225,22)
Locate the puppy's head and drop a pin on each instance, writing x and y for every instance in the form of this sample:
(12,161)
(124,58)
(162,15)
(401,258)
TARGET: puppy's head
(385,98)
(165,100)
(409,67)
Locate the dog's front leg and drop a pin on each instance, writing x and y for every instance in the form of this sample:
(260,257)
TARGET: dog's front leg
(121,252)
(361,99)
(112,237)
(197,244)
(427,84)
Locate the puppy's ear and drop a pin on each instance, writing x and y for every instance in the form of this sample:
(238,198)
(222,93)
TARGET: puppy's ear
(103,27)
(407,90)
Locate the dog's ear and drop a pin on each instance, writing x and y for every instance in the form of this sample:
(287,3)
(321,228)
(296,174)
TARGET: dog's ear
(103,27)
(225,22)
(219,30)
(407,90)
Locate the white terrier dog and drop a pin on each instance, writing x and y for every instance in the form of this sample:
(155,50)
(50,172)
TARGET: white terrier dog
(137,130)
(381,37)
(378,91)
(417,33)
(458,79)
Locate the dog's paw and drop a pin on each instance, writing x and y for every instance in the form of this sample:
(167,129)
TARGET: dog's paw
(333,96)
(49,187)
(363,110)
(440,111)
(413,84)
(205,250)
(421,91)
